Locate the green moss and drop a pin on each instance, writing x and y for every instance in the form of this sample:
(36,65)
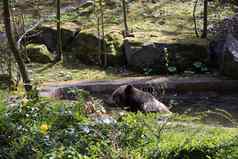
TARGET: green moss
(59,72)
(115,42)
(38,53)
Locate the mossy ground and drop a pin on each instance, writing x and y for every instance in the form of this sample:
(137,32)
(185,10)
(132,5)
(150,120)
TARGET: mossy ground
(163,22)
(41,73)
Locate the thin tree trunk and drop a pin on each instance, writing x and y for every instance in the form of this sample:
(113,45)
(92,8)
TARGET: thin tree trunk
(99,41)
(102,33)
(59,38)
(125,18)
(194,18)
(12,45)
(98,32)
(10,72)
(204,34)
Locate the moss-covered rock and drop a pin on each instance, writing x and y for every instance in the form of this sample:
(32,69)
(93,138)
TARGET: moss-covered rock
(79,46)
(47,35)
(86,48)
(39,53)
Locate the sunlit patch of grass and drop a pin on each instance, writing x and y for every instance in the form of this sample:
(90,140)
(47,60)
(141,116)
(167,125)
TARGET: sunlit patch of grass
(58,72)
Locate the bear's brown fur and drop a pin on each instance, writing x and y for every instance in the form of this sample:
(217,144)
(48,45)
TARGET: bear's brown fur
(137,100)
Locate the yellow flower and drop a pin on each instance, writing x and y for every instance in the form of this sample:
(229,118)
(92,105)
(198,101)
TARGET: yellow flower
(44,128)
(24,101)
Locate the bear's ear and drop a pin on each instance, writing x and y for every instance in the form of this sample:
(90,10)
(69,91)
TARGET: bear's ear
(129,89)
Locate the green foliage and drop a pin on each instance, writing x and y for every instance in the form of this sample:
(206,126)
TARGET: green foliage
(147,71)
(44,128)
(199,67)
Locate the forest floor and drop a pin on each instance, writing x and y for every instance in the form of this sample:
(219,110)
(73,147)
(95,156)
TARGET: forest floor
(163,22)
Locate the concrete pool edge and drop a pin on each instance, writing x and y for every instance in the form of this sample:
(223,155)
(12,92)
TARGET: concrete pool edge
(157,84)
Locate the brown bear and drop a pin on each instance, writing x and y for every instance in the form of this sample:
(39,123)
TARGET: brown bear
(137,100)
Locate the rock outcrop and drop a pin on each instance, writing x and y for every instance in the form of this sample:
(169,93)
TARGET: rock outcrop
(229,63)
(223,49)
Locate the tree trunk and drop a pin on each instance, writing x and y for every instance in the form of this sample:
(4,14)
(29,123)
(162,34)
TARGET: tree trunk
(204,34)
(125,18)
(12,45)
(102,34)
(194,18)
(59,38)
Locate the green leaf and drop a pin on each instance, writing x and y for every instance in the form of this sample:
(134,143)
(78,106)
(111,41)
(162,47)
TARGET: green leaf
(172,69)
(197,64)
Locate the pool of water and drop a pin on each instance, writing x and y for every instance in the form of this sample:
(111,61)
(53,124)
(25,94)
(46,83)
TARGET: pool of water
(214,108)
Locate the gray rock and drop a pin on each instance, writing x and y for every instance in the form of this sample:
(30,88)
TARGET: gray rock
(157,56)
(223,53)
(229,64)
(48,37)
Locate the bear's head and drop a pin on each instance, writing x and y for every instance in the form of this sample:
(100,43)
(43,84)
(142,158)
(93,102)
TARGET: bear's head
(120,95)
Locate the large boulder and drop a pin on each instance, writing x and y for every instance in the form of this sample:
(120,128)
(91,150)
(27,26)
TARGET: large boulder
(160,56)
(86,49)
(78,46)
(229,64)
(47,35)
(224,55)
(38,53)
(147,56)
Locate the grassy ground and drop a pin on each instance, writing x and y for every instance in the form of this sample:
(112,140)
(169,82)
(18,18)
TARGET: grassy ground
(162,22)
(58,72)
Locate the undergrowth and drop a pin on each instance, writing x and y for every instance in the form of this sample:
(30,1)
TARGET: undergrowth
(46,128)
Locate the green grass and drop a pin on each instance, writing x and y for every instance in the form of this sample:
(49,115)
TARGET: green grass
(58,72)
(2,100)
(164,21)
